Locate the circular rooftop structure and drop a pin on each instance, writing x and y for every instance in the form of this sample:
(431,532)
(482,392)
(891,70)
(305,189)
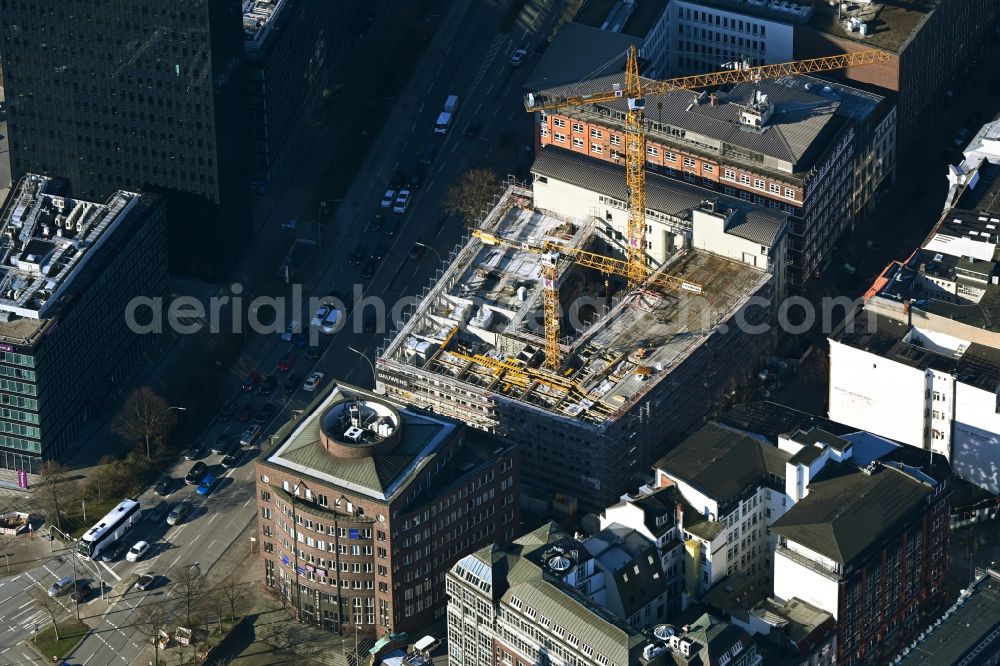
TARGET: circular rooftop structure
(360,428)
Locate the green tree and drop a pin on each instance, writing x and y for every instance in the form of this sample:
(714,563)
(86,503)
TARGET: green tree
(145,419)
(471,194)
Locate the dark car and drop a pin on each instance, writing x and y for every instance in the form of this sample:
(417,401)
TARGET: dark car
(222,443)
(391,228)
(114,552)
(286,363)
(314,352)
(81,592)
(147,581)
(427,154)
(267,386)
(293,382)
(359,254)
(418,250)
(378,254)
(416,178)
(232,459)
(338,298)
(196,451)
(265,413)
(473,130)
(156,514)
(196,473)
(227,410)
(370,324)
(163,487)
(246,412)
(397,179)
(250,383)
(369,269)
(542,47)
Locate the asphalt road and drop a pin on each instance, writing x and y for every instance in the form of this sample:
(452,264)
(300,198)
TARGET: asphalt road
(468,58)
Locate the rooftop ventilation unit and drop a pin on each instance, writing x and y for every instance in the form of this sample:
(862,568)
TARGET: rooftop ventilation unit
(560,563)
(354,434)
(664,631)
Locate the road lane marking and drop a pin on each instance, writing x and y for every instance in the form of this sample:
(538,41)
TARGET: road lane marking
(194,539)
(111,571)
(6,600)
(214,516)
(489,91)
(27,604)
(248,501)
(175,561)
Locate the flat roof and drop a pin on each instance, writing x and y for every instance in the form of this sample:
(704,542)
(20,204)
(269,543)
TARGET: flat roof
(258,18)
(808,112)
(664,195)
(771,420)
(630,18)
(985,195)
(891,25)
(380,475)
(45,241)
(784,11)
(576,52)
(481,324)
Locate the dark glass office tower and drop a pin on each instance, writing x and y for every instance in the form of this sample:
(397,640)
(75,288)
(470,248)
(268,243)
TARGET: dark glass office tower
(139,95)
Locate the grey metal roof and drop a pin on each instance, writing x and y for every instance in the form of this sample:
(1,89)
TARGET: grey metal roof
(847,510)
(803,122)
(723,463)
(577,52)
(664,195)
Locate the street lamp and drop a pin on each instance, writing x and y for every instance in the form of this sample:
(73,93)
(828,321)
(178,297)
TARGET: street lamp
(425,245)
(367,360)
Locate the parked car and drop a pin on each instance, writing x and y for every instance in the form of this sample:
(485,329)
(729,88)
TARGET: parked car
(196,450)
(293,382)
(232,459)
(370,323)
(267,386)
(320,315)
(378,254)
(402,202)
(359,254)
(207,485)
(155,514)
(473,130)
(147,581)
(163,487)
(338,299)
(427,154)
(517,57)
(290,330)
(264,414)
(250,383)
(312,381)
(542,47)
(388,198)
(396,179)
(286,363)
(369,269)
(391,227)
(136,552)
(178,514)
(222,443)
(249,436)
(196,473)
(227,410)
(417,177)
(61,587)
(418,250)
(246,412)
(314,352)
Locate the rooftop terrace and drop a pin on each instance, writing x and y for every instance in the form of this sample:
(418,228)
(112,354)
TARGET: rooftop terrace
(890,24)
(481,322)
(45,240)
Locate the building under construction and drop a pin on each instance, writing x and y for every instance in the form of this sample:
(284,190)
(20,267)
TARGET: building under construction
(636,370)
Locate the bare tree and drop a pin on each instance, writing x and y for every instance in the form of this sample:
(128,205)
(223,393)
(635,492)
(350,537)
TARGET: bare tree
(145,418)
(49,604)
(471,193)
(189,584)
(234,592)
(55,487)
(152,619)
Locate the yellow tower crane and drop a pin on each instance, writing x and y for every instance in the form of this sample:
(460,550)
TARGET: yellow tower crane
(634,93)
(552,251)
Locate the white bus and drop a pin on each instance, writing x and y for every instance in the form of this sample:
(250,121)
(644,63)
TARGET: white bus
(109,529)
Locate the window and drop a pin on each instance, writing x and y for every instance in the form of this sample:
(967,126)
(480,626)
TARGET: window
(653,150)
(689,161)
(729,174)
(578,128)
(669,157)
(708,168)
(543,131)
(616,140)
(596,148)
(745,179)
(577,142)
(558,122)
(789,193)
(596,133)
(774,188)
(759,183)
(615,155)
(560,137)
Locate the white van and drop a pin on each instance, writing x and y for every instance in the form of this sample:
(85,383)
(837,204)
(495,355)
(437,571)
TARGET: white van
(451,104)
(426,645)
(443,123)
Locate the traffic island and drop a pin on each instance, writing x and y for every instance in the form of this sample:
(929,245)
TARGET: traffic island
(50,648)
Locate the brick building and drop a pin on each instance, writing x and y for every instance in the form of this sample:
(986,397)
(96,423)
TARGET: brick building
(931,42)
(806,146)
(385,499)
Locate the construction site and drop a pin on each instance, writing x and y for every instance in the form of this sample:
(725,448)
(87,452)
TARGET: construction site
(630,373)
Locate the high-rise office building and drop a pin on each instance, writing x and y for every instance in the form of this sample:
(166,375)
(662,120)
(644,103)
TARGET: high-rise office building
(141,95)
